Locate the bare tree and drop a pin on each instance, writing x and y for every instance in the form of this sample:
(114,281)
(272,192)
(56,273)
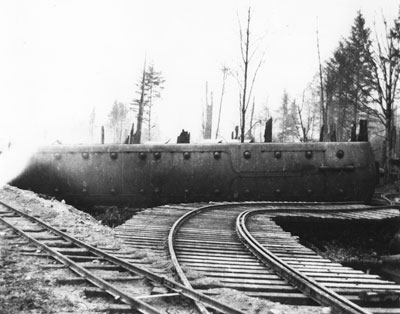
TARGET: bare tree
(207,115)
(306,119)
(385,63)
(261,116)
(246,86)
(252,118)
(118,116)
(225,73)
(308,111)
(252,125)
(324,111)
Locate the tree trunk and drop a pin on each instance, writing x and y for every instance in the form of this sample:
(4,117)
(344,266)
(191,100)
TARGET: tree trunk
(268,131)
(353,134)
(138,134)
(209,114)
(208,117)
(132,134)
(246,65)
(150,104)
(389,146)
(251,119)
(340,111)
(344,124)
(224,70)
(363,132)
(324,113)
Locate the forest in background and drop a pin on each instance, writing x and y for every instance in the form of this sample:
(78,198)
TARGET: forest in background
(359,81)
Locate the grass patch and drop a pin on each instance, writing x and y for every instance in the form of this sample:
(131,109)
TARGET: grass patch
(111,216)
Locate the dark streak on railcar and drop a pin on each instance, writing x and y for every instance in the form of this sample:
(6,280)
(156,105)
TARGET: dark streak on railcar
(144,175)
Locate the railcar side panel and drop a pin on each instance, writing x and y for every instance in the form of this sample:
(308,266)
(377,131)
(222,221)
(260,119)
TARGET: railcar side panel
(145,175)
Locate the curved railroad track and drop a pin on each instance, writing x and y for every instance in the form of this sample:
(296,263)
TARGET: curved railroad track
(84,259)
(343,289)
(204,241)
(217,246)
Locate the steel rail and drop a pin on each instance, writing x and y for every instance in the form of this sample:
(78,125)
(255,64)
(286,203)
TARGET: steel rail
(174,229)
(178,223)
(305,284)
(81,271)
(279,207)
(181,275)
(174,286)
(387,198)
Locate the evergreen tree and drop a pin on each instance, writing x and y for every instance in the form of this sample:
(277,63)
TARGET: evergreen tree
(149,89)
(307,112)
(338,88)
(359,47)
(348,77)
(362,77)
(154,84)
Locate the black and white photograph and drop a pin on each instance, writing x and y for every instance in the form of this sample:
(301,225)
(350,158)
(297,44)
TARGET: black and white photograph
(200,157)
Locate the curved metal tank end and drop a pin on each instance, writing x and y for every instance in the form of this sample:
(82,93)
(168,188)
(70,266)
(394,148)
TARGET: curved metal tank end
(145,175)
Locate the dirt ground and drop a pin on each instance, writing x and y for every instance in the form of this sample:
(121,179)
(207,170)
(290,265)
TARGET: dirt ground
(28,288)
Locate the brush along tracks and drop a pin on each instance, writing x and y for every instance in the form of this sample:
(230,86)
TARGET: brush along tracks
(86,261)
(210,241)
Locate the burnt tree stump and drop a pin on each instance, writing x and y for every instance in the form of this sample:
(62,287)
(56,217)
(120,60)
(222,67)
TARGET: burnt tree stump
(184,137)
(363,133)
(268,131)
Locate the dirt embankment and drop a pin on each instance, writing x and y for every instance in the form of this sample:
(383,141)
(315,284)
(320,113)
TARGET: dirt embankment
(27,287)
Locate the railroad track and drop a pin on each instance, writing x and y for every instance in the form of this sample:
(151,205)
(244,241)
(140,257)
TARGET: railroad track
(342,288)
(219,243)
(84,260)
(391,198)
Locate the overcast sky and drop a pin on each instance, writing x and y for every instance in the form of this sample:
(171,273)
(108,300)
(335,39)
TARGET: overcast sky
(61,59)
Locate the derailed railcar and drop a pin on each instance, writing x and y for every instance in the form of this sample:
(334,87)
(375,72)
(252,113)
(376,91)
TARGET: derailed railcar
(145,175)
